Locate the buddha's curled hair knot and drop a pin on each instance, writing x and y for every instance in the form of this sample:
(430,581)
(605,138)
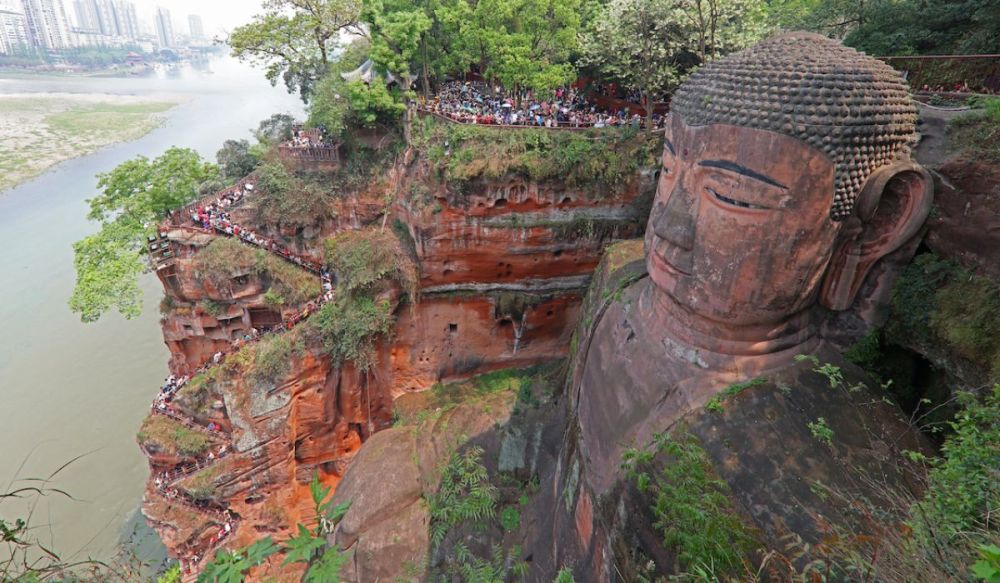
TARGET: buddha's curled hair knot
(851,106)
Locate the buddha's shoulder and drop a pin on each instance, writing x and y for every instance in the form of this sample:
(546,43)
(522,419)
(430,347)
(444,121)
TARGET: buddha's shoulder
(616,281)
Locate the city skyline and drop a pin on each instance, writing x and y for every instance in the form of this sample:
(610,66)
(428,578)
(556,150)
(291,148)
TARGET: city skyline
(53,25)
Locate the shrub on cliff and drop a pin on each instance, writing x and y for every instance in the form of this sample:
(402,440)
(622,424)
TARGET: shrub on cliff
(977,134)
(284,198)
(348,328)
(361,259)
(694,513)
(273,356)
(937,301)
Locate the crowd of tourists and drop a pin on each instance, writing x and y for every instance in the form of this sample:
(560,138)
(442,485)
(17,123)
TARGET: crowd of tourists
(216,218)
(474,103)
(308,138)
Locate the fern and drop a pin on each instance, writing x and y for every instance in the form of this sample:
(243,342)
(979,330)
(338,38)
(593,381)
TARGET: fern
(465,494)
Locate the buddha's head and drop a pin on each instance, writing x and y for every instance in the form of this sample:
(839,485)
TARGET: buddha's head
(785,176)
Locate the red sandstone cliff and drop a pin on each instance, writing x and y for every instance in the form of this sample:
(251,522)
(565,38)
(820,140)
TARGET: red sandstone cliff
(502,270)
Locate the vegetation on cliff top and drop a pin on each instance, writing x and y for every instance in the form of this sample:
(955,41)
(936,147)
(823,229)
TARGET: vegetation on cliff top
(362,263)
(163,434)
(600,159)
(273,356)
(361,259)
(225,259)
(977,134)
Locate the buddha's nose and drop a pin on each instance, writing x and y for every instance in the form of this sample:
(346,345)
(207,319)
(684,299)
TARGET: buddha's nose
(675,222)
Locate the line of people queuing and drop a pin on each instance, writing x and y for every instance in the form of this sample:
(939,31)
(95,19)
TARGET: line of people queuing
(474,103)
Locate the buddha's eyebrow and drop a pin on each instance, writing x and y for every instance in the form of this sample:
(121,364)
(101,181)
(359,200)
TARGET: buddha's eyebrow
(669,146)
(742,170)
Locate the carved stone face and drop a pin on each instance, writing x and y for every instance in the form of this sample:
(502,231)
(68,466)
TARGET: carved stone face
(740,231)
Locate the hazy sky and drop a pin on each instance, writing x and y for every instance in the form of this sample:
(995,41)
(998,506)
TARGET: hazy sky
(217,14)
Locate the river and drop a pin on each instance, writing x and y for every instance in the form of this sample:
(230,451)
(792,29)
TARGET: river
(69,389)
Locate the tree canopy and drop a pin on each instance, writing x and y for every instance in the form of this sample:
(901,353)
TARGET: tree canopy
(135,196)
(649,46)
(295,39)
(236,159)
(523,44)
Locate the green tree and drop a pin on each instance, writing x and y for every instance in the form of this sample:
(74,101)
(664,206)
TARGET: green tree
(716,27)
(236,159)
(395,29)
(295,40)
(331,104)
(135,197)
(636,43)
(524,44)
(374,104)
(275,129)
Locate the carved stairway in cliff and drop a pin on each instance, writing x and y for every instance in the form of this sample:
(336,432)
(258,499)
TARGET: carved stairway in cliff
(164,251)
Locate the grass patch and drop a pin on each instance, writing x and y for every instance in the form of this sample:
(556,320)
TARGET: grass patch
(977,134)
(198,392)
(201,484)
(225,259)
(272,357)
(715,404)
(693,512)
(104,117)
(165,435)
(415,409)
(941,303)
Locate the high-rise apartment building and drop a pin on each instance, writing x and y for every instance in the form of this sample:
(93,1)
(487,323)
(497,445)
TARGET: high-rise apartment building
(128,22)
(164,27)
(46,23)
(196,27)
(114,18)
(86,15)
(13,31)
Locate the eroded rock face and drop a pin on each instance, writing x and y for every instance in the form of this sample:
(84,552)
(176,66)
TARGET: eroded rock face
(494,293)
(964,226)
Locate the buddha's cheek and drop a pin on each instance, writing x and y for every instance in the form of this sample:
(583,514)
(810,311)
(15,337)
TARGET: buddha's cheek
(750,268)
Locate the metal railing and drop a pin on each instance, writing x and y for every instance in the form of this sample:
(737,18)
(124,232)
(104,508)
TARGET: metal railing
(559,126)
(949,73)
(310,153)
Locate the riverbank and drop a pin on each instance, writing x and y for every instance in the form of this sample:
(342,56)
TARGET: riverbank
(40,131)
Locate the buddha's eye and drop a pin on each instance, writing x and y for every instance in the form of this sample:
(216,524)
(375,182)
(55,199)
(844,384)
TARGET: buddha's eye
(733,201)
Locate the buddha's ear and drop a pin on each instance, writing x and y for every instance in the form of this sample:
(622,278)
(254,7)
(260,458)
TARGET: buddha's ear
(891,209)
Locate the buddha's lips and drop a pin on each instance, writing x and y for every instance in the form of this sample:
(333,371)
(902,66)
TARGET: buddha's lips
(661,262)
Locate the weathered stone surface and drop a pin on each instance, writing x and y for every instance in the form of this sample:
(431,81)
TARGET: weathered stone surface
(389,455)
(396,549)
(964,226)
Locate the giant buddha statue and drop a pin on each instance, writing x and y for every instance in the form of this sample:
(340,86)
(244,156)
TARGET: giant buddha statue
(786,176)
